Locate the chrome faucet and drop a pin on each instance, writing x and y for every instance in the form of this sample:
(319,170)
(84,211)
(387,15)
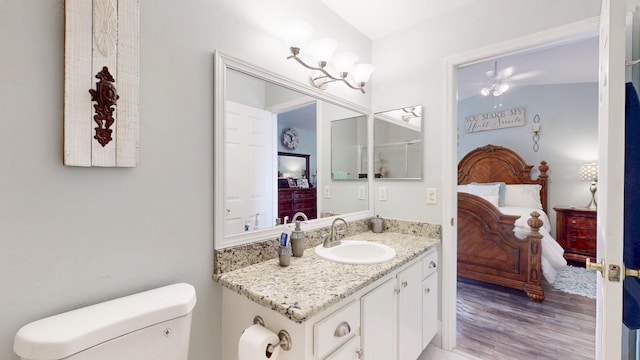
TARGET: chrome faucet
(333,239)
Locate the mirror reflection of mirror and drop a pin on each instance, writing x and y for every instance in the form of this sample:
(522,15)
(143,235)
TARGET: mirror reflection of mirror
(398,143)
(349,148)
(263,119)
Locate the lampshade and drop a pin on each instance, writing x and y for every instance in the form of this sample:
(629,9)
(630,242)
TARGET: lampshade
(323,49)
(362,72)
(298,33)
(589,172)
(484,92)
(344,61)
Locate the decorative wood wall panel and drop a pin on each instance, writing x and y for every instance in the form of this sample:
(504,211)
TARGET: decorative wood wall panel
(99,34)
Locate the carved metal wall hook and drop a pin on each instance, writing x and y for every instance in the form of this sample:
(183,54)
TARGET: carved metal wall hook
(106,97)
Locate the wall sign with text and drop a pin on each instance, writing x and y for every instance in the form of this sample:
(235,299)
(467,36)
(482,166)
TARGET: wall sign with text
(499,119)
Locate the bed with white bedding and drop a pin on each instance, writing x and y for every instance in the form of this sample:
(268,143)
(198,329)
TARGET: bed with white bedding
(503,228)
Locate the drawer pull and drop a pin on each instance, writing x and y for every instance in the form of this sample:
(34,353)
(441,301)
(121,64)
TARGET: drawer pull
(573,221)
(432,265)
(404,284)
(342,329)
(427,290)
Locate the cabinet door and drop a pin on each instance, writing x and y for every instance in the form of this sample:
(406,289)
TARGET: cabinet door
(349,351)
(410,312)
(378,330)
(429,308)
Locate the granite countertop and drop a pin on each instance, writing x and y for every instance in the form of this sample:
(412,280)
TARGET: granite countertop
(311,284)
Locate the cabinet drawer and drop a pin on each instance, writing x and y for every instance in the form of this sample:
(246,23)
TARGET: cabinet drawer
(306,195)
(304,204)
(584,245)
(285,196)
(581,232)
(349,351)
(336,329)
(580,221)
(287,206)
(429,264)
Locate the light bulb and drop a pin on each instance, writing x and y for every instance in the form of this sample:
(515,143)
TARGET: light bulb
(343,62)
(298,33)
(361,73)
(503,87)
(484,91)
(323,49)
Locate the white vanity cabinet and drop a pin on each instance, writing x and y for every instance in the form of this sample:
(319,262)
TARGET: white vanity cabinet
(399,318)
(393,318)
(410,312)
(379,322)
(429,297)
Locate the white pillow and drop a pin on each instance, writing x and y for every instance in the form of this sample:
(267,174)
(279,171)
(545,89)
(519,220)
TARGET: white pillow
(523,196)
(491,193)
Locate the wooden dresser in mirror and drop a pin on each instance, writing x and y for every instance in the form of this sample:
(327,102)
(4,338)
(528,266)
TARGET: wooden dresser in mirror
(296,192)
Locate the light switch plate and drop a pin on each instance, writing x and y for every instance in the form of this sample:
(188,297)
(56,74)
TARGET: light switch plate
(361,193)
(327,192)
(432,196)
(382,193)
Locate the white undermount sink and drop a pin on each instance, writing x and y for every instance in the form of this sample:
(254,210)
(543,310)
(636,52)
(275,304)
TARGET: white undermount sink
(357,252)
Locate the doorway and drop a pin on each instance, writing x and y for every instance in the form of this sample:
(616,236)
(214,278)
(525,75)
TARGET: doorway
(569,34)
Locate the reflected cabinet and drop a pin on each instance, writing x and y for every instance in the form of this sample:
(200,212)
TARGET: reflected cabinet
(293,200)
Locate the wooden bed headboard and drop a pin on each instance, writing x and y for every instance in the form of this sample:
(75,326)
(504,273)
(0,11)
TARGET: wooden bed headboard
(493,163)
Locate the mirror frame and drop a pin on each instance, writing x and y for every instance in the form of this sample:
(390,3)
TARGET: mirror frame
(421,151)
(222,62)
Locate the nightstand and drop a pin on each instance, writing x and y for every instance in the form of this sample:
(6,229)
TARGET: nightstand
(576,232)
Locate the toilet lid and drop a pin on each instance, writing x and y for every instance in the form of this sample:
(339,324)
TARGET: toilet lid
(65,334)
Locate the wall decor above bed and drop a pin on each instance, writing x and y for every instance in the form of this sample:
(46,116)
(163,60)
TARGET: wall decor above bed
(498,119)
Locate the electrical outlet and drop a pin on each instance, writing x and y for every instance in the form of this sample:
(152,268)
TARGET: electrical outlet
(361,193)
(327,192)
(432,196)
(382,193)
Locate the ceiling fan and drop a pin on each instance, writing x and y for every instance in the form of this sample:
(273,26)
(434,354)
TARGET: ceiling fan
(498,84)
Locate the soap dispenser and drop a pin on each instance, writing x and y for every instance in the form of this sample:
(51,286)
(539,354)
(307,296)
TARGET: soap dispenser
(297,236)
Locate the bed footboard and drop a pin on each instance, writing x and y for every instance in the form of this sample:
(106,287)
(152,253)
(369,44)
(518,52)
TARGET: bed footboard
(489,250)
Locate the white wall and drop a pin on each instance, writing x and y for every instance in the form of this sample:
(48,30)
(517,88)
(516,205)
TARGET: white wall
(410,70)
(568,137)
(76,236)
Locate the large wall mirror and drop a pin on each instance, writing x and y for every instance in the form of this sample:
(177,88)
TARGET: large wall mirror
(398,143)
(273,149)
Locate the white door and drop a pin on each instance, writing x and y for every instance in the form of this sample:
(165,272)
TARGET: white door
(250,161)
(611,176)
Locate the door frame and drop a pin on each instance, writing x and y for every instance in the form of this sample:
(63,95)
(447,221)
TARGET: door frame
(551,37)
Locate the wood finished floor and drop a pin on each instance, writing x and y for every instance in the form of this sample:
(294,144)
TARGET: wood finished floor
(500,323)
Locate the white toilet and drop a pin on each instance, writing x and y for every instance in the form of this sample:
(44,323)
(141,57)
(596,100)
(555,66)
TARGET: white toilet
(151,325)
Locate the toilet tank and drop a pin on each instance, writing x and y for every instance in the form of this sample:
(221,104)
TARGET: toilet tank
(153,325)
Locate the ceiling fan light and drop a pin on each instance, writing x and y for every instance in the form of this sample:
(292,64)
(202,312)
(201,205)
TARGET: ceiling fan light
(484,91)
(497,93)
(503,88)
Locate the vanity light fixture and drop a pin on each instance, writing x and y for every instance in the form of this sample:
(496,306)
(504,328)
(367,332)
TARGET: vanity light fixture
(497,85)
(411,113)
(322,53)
